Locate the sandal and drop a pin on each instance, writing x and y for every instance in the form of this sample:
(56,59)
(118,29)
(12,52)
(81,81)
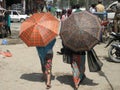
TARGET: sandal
(48,86)
(75,88)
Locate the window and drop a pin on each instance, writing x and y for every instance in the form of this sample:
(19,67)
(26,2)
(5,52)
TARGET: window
(15,13)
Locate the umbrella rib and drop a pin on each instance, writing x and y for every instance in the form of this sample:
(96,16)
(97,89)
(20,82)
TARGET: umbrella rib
(53,25)
(48,35)
(93,43)
(49,29)
(98,35)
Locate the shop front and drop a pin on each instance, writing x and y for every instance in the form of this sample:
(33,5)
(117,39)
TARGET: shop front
(26,6)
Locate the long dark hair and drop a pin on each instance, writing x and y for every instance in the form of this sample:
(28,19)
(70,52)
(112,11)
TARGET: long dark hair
(69,12)
(63,12)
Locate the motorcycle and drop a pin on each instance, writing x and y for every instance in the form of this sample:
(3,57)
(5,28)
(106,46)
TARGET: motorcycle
(114,49)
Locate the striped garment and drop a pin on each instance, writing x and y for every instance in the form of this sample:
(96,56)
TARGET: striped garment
(78,68)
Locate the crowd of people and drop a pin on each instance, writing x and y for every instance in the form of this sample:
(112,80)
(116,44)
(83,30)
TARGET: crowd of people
(94,8)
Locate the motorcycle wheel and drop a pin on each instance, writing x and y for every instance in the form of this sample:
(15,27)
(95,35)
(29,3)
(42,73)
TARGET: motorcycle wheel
(112,55)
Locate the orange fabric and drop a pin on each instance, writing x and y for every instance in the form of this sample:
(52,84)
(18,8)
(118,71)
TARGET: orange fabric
(6,54)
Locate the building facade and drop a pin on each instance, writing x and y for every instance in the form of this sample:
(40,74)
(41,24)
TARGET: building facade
(2,3)
(27,5)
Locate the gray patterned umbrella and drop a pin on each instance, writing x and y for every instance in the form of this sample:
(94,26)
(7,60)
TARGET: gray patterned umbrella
(81,31)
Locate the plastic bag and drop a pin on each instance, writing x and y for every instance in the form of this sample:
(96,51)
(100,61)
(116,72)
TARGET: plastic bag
(94,63)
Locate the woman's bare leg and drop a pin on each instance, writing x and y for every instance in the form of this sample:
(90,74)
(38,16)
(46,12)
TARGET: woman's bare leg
(48,79)
(48,73)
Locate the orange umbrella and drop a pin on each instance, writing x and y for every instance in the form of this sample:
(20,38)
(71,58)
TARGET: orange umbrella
(39,29)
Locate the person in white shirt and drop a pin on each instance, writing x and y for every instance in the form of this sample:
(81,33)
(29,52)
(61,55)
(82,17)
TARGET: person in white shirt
(93,8)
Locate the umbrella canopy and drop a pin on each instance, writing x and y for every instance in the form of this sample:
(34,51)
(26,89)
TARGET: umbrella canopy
(39,29)
(81,31)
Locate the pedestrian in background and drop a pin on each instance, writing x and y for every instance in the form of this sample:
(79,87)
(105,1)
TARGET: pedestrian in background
(93,8)
(7,22)
(69,12)
(73,8)
(77,8)
(100,7)
(64,14)
(46,56)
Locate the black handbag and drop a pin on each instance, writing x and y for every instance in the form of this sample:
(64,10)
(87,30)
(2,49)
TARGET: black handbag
(67,58)
(94,63)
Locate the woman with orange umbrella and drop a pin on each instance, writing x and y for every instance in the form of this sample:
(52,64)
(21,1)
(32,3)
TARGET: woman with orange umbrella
(40,30)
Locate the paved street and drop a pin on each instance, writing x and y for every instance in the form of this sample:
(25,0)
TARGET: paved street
(22,71)
(15,26)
